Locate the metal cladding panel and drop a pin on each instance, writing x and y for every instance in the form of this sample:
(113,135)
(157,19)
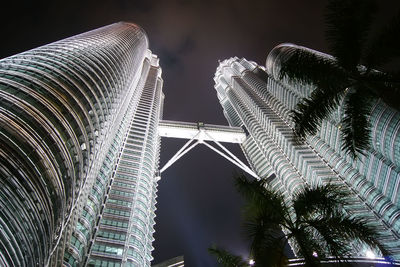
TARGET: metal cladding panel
(124,225)
(58,107)
(207,132)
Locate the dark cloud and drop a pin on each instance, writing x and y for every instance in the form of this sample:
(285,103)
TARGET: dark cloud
(187,45)
(172,59)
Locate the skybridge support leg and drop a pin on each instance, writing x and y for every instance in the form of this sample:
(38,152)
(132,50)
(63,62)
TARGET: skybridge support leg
(243,166)
(233,159)
(224,152)
(184,149)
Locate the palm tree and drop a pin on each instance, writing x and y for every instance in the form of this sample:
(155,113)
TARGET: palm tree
(226,259)
(314,221)
(350,78)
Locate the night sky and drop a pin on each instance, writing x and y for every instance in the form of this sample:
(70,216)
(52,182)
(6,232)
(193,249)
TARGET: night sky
(197,204)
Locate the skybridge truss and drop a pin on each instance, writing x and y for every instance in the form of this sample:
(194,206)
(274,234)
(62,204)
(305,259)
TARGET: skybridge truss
(200,133)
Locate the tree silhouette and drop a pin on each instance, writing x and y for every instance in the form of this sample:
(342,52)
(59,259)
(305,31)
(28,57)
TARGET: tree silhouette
(350,78)
(314,222)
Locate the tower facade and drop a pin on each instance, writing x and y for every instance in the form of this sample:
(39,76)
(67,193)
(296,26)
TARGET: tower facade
(255,98)
(73,115)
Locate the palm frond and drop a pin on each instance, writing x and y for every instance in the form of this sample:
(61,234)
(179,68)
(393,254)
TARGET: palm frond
(264,212)
(249,189)
(358,229)
(348,24)
(390,96)
(322,199)
(327,228)
(355,126)
(321,224)
(262,219)
(226,259)
(261,202)
(309,68)
(391,78)
(384,47)
(385,86)
(308,245)
(311,111)
(267,243)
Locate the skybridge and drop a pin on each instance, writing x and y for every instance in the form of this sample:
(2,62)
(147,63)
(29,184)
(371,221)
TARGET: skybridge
(209,135)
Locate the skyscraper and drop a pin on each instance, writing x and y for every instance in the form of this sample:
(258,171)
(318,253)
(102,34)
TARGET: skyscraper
(254,97)
(79,150)
(80,145)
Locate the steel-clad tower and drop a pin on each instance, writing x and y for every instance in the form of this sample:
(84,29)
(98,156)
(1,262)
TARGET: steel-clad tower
(256,98)
(73,115)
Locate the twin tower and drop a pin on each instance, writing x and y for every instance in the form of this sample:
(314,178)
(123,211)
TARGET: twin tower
(80,130)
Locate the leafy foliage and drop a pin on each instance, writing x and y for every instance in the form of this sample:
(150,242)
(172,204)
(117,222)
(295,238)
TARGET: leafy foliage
(226,259)
(355,125)
(314,221)
(349,77)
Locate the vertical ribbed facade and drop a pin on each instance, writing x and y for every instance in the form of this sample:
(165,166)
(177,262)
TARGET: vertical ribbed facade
(255,98)
(68,112)
(125,229)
